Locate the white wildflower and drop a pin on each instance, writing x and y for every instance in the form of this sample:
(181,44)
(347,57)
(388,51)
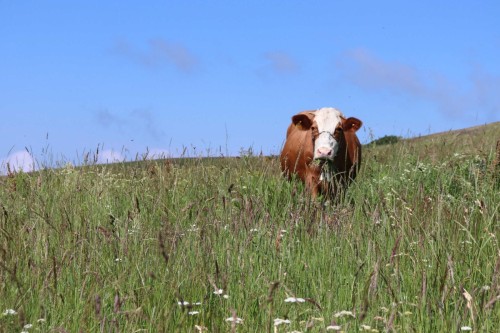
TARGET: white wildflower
(333,328)
(10,312)
(279,321)
(237,320)
(186,303)
(466,328)
(367,328)
(193,228)
(218,292)
(226,296)
(28,326)
(344,313)
(294,300)
(192,313)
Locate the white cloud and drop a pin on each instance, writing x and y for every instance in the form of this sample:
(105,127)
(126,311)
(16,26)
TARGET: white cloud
(109,156)
(17,161)
(372,73)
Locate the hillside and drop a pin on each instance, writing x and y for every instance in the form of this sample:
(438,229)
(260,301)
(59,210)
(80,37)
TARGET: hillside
(227,244)
(477,140)
(481,130)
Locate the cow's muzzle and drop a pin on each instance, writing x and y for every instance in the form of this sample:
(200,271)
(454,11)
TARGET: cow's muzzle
(324,153)
(325,147)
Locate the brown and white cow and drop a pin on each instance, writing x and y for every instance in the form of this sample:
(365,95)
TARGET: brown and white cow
(322,149)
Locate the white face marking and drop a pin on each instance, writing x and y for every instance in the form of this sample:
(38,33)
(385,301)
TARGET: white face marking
(325,146)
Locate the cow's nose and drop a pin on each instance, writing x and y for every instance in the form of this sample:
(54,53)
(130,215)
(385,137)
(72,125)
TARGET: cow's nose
(324,152)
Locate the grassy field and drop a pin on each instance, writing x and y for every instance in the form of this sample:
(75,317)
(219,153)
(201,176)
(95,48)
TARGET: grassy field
(226,244)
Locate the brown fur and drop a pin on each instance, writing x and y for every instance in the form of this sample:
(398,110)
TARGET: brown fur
(297,155)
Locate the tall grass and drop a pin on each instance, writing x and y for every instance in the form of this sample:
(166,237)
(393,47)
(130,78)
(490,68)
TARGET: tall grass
(195,244)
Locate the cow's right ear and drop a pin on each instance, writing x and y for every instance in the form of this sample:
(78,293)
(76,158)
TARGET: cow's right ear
(302,121)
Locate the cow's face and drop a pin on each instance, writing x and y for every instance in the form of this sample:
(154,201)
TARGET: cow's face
(326,126)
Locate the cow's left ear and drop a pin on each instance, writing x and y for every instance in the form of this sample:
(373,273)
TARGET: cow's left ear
(351,123)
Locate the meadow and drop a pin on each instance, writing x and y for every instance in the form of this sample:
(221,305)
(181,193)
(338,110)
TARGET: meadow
(228,245)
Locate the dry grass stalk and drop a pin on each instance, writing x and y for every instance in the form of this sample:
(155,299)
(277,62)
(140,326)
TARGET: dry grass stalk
(277,242)
(234,321)
(54,270)
(98,306)
(272,289)
(469,305)
(395,249)
(270,297)
(495,285)
(390,323)
(161,241)
(117,303)
(423,292)
(374,280)
(369,290)
(314,302)
(443,289)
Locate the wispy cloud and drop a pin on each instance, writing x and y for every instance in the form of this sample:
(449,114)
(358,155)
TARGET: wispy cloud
(369,72)
(107,119)
(281,63)
(277,64)
(148,120)
(486,88)
(136,120)
(159,52)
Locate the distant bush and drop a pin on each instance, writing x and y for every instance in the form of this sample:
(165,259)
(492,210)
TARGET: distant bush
(385,140)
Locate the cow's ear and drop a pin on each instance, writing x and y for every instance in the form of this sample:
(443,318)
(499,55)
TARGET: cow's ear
(351,123)
(302,121)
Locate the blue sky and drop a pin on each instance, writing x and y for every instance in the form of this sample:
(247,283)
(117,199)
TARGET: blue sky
(220,76)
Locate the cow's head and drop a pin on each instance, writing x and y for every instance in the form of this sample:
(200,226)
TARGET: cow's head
(326,126)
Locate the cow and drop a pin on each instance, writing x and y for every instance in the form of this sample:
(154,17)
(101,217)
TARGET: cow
(322,149)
